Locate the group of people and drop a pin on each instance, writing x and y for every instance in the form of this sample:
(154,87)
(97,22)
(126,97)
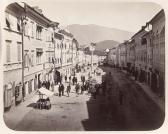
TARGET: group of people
(79,88)
(150,77)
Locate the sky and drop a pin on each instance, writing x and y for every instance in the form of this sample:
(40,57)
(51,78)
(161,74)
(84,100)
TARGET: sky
(126,16)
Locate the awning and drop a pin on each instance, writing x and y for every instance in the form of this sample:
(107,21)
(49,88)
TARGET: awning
(45,91)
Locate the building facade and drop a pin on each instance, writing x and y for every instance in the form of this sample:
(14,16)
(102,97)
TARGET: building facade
(112,57)
(35,48)
(38,48)
(122,63)
(12,68)
(144,54)
(158,44)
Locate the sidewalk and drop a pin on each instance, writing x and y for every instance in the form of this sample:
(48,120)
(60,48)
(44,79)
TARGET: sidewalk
(15,115)
(158,101)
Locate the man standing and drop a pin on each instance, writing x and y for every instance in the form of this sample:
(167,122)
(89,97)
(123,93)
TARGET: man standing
(73,80)
(82,89)
(62,89)
(77,88)
(83,79)
(59,90)
(70,78)
(68,89)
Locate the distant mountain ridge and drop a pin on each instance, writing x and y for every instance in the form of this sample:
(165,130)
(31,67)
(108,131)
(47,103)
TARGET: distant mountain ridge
(85,34)
(102,45)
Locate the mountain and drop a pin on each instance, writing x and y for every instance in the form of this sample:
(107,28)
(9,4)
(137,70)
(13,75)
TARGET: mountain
(102,45)
(85,34)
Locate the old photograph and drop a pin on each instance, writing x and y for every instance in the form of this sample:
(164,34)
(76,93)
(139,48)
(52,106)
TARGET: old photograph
(83,66)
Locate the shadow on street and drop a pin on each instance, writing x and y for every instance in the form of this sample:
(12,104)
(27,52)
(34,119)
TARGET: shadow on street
(137,113)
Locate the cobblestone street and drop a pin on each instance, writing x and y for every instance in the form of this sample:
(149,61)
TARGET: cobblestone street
(82,112)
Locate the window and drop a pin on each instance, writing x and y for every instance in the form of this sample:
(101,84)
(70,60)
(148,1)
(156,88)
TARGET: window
(38,31)
(32,29)
(26,28)
(19,51)
(10,21)
(39,53)
(26,60)
(143,41)
(32,59)
(8,25)
(8,51)
(18,25)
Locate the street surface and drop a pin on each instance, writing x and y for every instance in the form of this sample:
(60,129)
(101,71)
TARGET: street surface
(82,112)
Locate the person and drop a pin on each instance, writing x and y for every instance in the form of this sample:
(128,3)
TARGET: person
(83,79)
(65,78)
(82,89)
(68,89)
(48,85)
(73,80)
(62,89)
(23,94)
(121,95)
(70,78)
(59,90)
(86,86)
(48,103)
(77,88)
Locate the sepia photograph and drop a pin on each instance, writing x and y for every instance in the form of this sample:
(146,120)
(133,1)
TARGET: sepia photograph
(83,65)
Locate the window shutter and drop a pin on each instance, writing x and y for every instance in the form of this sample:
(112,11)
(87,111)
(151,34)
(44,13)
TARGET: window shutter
(8,52)
(19,51)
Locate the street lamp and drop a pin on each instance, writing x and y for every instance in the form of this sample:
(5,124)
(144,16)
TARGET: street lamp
(92,48)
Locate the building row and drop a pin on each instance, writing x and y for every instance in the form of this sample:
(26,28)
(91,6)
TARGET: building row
(35,50)
(144,54)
